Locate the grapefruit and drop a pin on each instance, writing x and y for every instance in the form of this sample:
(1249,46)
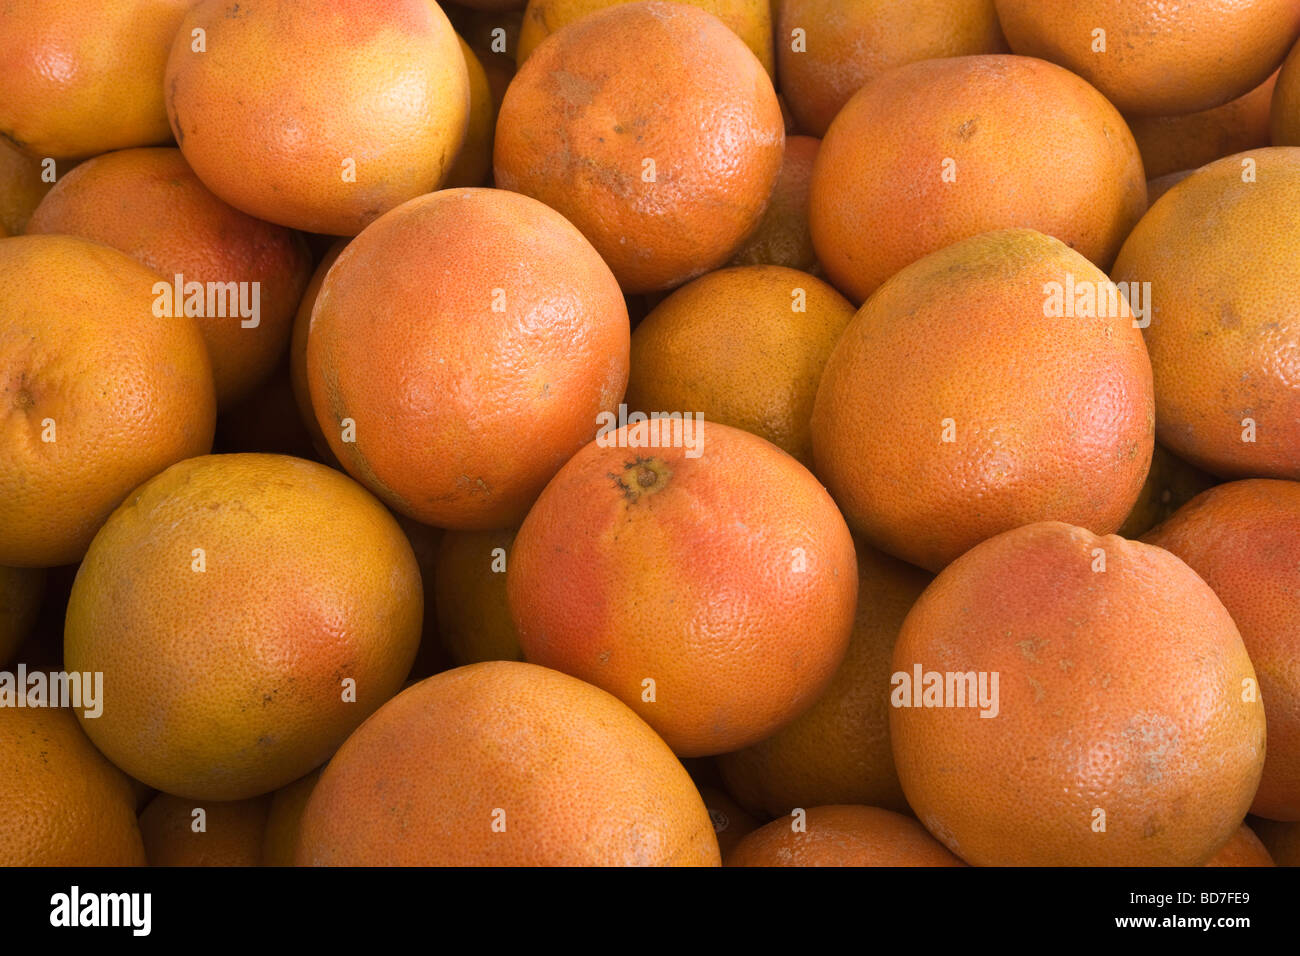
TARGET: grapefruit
(1125,727)
(838,751)
(665,185)
(994,383)
(704,578)
(842,836)
(743,346)
(61,802)
(938,151)
(1243,538)
(1157,57)
(100,392)
(149,204)
(247,612)
(827,50)
(318,117)
(1224,327)
(460,350)
(505,764)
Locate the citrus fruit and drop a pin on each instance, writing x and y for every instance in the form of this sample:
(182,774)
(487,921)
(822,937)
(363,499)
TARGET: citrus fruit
(280,842)
(61,802)
(842,836)
(470,582)
(964,400)
(743,346)
(1162,184)
(76,85)
(505,764)
(474,161)
(319,117)
(731,821)
(703,577)
(934,152)
(1243,538)
(247,612)
(298,351)
(460,350)
(783,236)
(1282,840)
(1157,57)
(1243,849)
(665,185)
(751,20)
(249,274)
(1172,143)
(1067,699)
(432,656)
(838,750)
(1225,313)
(100,391)
(181,832)
(21,188)
(1284,114)
(828,50)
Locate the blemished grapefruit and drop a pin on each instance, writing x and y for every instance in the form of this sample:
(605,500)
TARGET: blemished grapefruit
(702,576)
(827,50)
(181,832)
(318,116)
(1243,849)
(938,151)
(966,398)
(751,20)
(654,130)
(1067,699)
(21,592)
(844,835)
(745,347)
(61,802)
(460,350)
(78,85)
(1225,313)
(1157,57)
(838,750)
(247,612)
(149,204)
(470,583)
(505,764)
(783,236)
(99,397)
(1243,538)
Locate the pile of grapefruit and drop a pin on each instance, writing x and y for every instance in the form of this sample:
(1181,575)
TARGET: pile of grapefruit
(583,432)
